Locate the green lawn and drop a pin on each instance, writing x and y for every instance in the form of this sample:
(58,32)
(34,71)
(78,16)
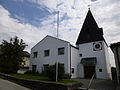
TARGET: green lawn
(31,77)
(2,77)
(42,78)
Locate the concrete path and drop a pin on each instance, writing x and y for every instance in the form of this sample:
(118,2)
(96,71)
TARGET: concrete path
(7,85)
(98,84)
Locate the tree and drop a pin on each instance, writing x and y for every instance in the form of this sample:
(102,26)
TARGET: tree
(11,55)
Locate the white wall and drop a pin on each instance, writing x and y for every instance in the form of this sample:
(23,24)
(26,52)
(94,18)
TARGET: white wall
(74,61)
(87,51)
(52,44)
(108,65)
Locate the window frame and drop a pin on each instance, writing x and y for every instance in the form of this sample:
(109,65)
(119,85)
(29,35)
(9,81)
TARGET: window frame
(61,52)
(46,53)
(35,54)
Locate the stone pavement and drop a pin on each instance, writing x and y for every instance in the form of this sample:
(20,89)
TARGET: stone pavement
(99,84)
(7,85)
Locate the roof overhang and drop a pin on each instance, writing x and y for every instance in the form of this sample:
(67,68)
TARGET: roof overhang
(89,61)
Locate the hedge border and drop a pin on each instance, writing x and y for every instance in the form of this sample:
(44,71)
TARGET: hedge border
(41,85)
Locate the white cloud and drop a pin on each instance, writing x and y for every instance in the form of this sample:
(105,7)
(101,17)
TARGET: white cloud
(10,27)
(106,13)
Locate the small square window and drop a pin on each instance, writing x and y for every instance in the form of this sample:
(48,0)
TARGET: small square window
(46,52)
(100,70)
(35,54)
(61,51)
(80,55)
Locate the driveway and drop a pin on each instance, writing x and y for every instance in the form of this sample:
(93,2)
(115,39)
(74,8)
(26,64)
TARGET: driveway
(99,84)
(7,85)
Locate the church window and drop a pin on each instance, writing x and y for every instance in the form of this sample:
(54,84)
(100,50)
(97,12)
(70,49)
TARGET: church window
(97,46)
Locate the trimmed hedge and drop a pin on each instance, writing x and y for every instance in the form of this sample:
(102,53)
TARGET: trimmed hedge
(51,72)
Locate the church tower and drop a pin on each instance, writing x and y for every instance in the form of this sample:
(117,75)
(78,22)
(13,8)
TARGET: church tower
(93,50)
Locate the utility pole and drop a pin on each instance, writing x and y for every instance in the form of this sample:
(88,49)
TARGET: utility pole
(57,37)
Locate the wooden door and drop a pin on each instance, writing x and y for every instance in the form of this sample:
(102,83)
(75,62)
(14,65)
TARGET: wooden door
(89,71)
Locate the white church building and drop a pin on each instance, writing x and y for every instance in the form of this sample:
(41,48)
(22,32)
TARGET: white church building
(88,57)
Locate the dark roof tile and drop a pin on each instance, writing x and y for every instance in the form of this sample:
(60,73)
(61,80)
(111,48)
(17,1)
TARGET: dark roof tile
(90,31)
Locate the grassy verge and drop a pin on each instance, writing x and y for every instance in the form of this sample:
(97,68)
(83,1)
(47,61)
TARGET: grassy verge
(41,78)
(2,77)
(30,77)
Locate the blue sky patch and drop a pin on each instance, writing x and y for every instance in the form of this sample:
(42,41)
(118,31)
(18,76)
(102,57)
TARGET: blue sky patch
(26,11)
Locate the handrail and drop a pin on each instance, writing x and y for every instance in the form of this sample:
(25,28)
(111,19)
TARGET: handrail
(90,82)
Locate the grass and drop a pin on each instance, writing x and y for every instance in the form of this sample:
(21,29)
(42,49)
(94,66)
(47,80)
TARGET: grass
(31,77)
(2,77)
(41,78)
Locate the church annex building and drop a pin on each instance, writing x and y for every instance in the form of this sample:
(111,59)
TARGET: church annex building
(88,57)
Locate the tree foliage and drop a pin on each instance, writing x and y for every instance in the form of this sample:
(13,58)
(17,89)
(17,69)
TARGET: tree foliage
(11,55)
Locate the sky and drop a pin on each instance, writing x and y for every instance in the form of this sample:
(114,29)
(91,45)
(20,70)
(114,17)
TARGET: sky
(32,20)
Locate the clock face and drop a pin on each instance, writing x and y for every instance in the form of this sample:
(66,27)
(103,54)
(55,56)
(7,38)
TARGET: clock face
(97,46)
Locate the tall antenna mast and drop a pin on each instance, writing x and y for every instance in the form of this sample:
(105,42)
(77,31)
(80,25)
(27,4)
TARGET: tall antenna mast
(57,37)
(58,24)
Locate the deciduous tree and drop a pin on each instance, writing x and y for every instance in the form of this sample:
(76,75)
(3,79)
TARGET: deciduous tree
(11,55)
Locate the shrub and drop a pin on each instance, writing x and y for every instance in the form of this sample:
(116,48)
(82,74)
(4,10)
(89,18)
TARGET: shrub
(51,72)
(32,73)
(67,76)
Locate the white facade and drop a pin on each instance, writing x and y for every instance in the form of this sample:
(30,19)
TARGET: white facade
(71,57)
(102,66)
(52,44)
(74,62)
(90,56)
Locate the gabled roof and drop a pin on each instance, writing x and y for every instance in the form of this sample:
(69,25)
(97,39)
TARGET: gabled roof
(49,37)
(26,54)
(90,31)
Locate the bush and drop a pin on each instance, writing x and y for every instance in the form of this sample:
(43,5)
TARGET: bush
(32,73)
(67,76)
(51,72)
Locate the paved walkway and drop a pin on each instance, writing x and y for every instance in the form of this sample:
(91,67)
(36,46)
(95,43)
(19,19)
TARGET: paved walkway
(98,84)
(7,85)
